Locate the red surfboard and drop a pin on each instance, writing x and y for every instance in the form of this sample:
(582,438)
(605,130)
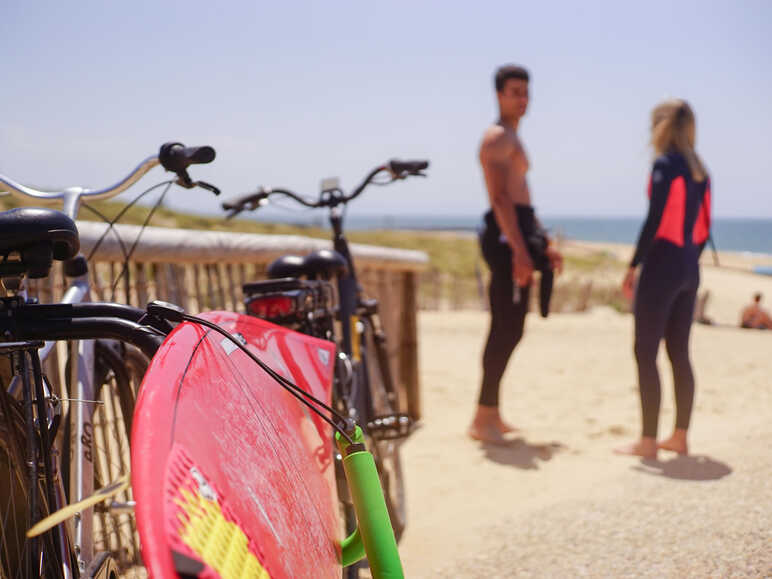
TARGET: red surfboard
(231,474)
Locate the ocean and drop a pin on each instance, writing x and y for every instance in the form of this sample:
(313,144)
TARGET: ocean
(751,235)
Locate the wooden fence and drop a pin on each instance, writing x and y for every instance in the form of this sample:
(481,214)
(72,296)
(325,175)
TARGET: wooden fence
(204,270)
(444,291)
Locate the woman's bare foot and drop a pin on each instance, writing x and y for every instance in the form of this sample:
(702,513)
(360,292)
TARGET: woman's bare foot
(646,447)
(505,427)
(676,443)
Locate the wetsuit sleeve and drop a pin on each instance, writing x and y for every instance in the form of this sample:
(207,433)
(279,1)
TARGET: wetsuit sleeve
(659,188)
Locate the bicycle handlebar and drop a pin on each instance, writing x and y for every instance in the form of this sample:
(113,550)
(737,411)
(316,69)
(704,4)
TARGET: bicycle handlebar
(177,157)
(84,322)
(329,198)
(22,191)
(174,157)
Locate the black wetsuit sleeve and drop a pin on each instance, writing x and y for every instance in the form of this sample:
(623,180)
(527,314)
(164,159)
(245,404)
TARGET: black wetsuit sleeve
(704,217)
(660,188)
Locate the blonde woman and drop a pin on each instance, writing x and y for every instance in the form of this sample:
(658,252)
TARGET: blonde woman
(669,246)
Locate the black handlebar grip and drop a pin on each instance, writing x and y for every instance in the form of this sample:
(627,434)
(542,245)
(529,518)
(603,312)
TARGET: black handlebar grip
(177,157)
(396,166)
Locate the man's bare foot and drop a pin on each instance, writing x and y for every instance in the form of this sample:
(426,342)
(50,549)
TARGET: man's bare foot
(645,447)
(676,443)
(488,426)
(487,433)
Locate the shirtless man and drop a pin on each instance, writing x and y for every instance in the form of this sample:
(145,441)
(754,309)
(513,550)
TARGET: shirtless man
(754,316)
(504,165)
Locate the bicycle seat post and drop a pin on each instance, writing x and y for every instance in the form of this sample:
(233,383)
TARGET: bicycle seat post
(71,201)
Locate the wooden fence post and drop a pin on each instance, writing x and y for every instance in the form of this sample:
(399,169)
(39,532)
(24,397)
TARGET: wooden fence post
(408,344)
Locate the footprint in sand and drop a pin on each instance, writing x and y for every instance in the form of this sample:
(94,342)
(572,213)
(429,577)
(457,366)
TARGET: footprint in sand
(617,430)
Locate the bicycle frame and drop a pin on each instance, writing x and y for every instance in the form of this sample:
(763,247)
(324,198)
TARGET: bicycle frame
(349,290)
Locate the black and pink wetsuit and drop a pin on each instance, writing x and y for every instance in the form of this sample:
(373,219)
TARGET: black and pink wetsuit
(669,246)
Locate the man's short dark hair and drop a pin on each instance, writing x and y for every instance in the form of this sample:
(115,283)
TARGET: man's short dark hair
(757,297)
(504,73)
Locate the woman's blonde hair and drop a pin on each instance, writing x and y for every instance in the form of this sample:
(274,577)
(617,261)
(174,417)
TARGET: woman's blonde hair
(673,128)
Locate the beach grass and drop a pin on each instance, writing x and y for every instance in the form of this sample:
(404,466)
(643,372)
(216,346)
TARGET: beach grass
(455,279)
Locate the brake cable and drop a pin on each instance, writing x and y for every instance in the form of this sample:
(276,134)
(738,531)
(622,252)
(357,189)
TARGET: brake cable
(114,220)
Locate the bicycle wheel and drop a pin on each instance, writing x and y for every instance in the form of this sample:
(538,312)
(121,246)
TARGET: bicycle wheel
(20,557)
(118,371)
(117,380)
(383,401)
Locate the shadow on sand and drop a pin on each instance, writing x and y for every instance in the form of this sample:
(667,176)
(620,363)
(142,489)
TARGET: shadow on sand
(695,467)
(520,453)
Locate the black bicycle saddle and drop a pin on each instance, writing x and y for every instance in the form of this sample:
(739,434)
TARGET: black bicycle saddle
(39,236)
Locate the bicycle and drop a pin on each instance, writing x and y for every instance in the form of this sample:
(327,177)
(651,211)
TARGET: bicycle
(95,403)
(365,389)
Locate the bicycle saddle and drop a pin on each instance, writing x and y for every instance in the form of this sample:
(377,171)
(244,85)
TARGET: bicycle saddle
(39,236)
(286,266)
(323,262)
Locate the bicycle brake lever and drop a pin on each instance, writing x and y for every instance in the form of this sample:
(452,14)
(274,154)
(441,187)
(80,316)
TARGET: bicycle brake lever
(260,200)
(184,180)
(205,185)
(165,311)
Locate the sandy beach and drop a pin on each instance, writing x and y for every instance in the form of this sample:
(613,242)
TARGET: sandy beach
(556,502)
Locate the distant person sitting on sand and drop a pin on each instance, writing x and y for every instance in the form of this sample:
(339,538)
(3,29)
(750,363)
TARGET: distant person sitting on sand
(504,240)
(670,243)
(754,316)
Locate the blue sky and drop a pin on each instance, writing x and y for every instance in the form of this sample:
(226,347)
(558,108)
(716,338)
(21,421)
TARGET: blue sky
(289,93)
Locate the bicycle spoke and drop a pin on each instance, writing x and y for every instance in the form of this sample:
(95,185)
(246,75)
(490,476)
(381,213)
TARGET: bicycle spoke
(17,552)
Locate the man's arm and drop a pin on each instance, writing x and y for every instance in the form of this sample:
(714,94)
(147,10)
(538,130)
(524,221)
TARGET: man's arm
(495,158)
(552,253)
